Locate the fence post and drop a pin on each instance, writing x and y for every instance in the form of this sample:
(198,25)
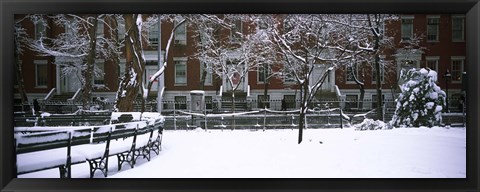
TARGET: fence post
(341,118)
(174,117)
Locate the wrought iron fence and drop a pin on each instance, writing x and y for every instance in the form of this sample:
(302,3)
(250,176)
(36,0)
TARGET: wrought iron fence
(225,105)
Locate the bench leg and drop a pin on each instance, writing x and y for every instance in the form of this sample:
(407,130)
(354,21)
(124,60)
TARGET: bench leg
(99,164)
(64,172)
(128,157)
(156,145)
(146,151)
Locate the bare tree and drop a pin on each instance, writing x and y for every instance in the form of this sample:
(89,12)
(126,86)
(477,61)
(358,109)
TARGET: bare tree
(306,41)
(76,49)
(20,41)
(367,31)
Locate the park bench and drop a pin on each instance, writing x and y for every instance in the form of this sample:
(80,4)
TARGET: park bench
(74,120)
(64,148)
(125,141)
(47,150)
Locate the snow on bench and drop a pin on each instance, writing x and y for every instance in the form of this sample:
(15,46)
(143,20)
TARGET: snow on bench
(68,145)
(46,150)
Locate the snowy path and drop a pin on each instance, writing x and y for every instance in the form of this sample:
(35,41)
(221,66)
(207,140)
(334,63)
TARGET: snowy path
(327,153)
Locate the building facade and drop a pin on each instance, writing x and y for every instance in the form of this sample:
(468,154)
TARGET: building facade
(441,48)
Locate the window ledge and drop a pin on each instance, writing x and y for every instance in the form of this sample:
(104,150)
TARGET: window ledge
(180,84)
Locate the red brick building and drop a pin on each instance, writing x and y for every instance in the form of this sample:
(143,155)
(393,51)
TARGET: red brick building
(443,39)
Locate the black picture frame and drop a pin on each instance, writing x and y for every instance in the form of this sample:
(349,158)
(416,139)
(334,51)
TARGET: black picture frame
(10,7)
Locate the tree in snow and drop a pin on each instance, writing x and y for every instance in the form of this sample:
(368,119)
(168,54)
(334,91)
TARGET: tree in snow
(306,41)
(131,82)
(230,57)
(75,49)
(421,101)
(20,40)
(367,32)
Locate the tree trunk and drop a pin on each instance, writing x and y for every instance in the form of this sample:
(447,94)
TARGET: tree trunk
(379,86)
(87,71)
(19,76)
(362,96)
(303,110)
(376,48)
(130,84)
(265,85)
(233,108)
(204,76)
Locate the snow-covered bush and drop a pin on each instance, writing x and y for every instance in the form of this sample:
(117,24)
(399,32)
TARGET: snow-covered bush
(421,101)
(370,124)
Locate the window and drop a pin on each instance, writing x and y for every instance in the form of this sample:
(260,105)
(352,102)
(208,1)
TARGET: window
(180,102)
(209,102)
(432,63)
(121,29)
(100,29)
(407,28)
(180,71)
(99,74)
(208,77)
(351,102)
(40,30)
(263,102)
(351,72)
(236,32)
(181,33)
(374,101)
(41,76)
(69,27)
(289,78)
(458,28)
(153,34)
(457,68)
(433,24)
(262,74)
(290,100)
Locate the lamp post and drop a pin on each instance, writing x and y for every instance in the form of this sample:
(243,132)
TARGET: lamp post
(447,77)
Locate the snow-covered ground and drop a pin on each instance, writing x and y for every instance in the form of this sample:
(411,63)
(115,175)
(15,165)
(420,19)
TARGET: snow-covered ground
(324,153)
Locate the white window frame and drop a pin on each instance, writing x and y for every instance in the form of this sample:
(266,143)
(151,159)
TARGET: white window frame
(404,37)
(68,27)
(233,37)
(180,38)
(433,24)
(176,61)
(98,63)
(37,80)
(435,59)
(208,78)
(289,79)
(39,34)
(260,69)
(348,70)
(460,71)
(153,35)
(100,31)
(121,29)
(463,28)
